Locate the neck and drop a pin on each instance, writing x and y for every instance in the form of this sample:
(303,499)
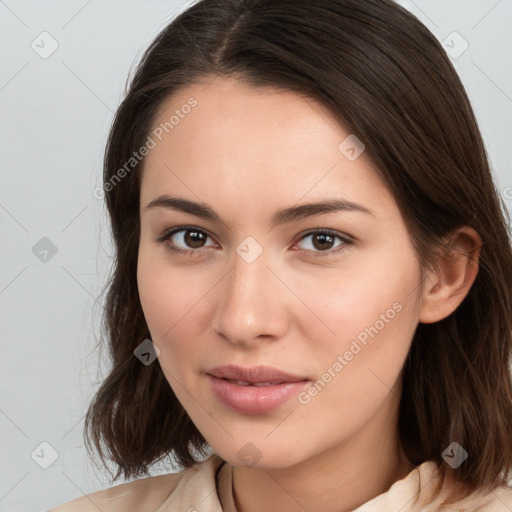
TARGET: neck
(338,479)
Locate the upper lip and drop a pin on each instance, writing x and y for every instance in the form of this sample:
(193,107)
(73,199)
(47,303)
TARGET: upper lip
(253,374)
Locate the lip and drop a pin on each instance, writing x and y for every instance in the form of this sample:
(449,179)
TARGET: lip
(253,374)
(252,400)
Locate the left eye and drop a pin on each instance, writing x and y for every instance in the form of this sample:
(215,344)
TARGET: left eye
(322,241)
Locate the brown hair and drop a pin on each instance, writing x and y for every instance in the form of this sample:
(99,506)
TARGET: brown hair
(385,77)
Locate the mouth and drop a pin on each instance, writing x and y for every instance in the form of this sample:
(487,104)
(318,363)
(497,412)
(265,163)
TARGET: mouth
(255,390)
(254,375)
(257,384)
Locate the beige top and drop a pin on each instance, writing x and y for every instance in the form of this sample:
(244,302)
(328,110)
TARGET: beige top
(203,487)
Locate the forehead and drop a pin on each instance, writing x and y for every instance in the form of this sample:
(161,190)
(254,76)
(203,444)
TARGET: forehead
(251,142)
(229,112)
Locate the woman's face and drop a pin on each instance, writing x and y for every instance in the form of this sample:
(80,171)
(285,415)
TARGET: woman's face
(255,287)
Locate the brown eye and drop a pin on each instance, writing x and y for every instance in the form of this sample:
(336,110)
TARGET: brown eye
(323,242)
(194,239)
(185,240)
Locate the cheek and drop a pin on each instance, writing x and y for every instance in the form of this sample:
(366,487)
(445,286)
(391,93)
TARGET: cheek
(373,307)
(359,367)
(165,292)
(172,299)
(154,296)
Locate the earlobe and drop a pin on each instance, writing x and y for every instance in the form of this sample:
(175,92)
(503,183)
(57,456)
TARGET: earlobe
(447,286)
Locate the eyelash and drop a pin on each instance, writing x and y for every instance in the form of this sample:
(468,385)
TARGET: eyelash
(316,254)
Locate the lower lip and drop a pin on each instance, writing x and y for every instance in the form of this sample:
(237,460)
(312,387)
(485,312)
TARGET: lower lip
(254,399)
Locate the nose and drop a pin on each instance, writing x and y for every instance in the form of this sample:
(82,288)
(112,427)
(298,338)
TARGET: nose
(252,303)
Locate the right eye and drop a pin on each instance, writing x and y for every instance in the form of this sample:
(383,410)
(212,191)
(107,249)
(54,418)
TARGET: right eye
(189,237)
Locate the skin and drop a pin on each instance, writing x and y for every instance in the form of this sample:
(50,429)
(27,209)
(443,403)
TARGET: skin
(248,153)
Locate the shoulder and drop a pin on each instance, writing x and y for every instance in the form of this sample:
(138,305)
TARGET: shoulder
(147,494)
(498,499)
(151,492)
(418,492)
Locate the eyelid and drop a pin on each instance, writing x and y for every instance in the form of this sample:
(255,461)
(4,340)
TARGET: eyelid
(168,233)
(346,241)
(312,231)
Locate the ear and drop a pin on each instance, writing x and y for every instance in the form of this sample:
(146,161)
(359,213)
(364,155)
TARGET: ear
(446,287)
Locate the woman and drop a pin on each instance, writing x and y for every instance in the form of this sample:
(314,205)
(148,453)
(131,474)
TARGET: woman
(313,274)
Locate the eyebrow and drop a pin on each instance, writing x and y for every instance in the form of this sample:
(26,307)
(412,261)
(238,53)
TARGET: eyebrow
(284,216)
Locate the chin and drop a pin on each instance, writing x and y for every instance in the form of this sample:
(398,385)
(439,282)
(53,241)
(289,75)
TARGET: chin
(261,455)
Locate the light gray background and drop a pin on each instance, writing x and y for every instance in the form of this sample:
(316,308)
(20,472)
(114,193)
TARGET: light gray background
(55,115)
